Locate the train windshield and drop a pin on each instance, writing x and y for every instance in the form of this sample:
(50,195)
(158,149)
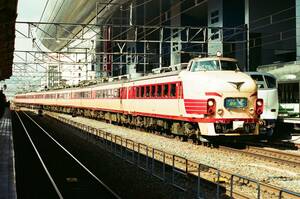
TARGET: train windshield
(229,65)
(271,82)
(264,81)
(213,65)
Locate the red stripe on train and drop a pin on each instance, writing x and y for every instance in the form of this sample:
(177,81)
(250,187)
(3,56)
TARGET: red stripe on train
(195,106)
(213,94)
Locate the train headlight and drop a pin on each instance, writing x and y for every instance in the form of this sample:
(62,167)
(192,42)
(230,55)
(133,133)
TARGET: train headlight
(259,103)
(211,106)
(259,106)
(210,103)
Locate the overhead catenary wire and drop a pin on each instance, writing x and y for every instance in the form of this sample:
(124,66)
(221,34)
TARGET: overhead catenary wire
(45,7)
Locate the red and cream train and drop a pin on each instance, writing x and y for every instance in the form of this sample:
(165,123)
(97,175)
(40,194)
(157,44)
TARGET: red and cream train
(212,97)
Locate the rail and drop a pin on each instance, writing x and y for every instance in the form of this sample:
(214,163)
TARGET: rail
(278,157)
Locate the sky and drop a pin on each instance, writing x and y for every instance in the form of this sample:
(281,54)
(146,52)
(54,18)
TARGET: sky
(30,10)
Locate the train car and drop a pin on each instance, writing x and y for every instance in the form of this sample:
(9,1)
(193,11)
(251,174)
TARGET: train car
(211,98)
(268,91)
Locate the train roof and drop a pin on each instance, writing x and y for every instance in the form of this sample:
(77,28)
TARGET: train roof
(260,73)
(152,76)
(213,58)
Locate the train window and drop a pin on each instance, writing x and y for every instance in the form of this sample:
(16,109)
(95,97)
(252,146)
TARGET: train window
(98,94)
(112,93)
(88,94)
(258,78)
(159,90)
(137,91)
(288,92)
(166,90)
(121,92)
(229,65)
(271,82)
(205,65)
(147,91)
(173,90)
(260,85)
(117,93)
(153,91)
(142,91)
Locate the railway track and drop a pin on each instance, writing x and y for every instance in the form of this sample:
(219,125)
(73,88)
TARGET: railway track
(271,155)
(236,186)
(285,145)
(68,176)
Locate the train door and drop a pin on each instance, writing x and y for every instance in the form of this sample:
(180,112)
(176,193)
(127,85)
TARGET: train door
(123,96)
(179,96)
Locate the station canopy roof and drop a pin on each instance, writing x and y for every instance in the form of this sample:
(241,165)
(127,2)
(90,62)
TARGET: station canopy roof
(8,14)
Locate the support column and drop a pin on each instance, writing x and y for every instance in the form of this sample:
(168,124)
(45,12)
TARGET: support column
(297,7)
(247,34)
(175,34)
(215,19)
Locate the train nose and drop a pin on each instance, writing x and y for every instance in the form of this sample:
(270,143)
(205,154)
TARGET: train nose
(231,82)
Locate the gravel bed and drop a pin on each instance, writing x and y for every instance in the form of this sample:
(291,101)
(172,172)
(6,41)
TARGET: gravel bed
(296,152)
(283,176)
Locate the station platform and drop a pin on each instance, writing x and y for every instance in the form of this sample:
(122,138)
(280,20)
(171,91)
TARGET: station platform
(7,167)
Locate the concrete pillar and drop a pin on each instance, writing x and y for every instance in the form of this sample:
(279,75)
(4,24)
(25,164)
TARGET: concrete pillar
(297,7)
(215,19)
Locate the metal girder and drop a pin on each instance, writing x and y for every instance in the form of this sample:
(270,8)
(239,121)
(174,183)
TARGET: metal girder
(143,33)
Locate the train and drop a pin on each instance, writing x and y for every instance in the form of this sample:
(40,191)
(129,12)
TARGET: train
(210,98)
(268,91)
